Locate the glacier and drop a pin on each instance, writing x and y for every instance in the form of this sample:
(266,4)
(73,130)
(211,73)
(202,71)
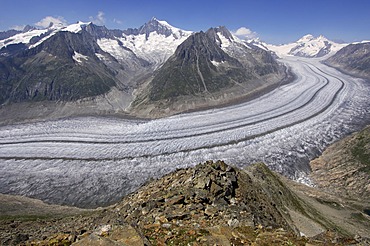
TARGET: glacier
(94,161)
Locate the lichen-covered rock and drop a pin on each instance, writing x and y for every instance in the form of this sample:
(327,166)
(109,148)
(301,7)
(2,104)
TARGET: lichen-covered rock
(210,204)
(210,190)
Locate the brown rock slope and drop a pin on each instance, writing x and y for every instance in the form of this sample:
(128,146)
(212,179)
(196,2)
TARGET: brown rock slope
(210,204)
(344,168)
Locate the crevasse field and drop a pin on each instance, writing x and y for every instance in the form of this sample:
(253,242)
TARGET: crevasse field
(93,161)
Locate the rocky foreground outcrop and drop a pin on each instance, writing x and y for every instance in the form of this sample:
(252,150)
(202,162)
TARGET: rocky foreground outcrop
(210,204)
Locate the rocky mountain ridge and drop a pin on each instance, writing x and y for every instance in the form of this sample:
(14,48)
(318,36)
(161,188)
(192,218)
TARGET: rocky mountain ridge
(353,59)
(212,203)
(64,67)
(208,67)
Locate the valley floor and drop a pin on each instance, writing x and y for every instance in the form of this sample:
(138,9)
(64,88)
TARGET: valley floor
(94,161)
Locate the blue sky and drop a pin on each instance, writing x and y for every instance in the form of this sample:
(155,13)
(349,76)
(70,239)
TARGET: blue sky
(274,21)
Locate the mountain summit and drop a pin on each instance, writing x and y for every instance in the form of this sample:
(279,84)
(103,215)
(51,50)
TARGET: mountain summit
(161,28)
(155,41)
(209,67)
(307,46)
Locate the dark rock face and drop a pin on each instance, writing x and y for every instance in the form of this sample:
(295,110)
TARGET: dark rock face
(152,26)
(200,66)
(353,59)
(13,49)
(7,34)
(212,33)
(100,31)
(50,72)
(190,71)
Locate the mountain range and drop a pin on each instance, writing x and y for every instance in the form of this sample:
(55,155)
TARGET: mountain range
(307,46)
(150,71)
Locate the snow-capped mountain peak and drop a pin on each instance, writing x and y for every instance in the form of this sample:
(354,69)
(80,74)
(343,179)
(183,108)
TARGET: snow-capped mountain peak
(310,38)
(28,28)
(258,43)
(77,27)
(310,46)
(155,41)
(23,37)
(221,36)
(162,28)
(32,37)
(225,39)
(222,30)
(307,46)
(306,38)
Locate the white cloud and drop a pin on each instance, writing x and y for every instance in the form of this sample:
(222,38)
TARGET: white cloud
(98,19)
(245,33)
(18,28)
(117,21)
(57,21)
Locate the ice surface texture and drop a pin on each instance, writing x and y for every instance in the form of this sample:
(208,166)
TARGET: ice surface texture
(94,161)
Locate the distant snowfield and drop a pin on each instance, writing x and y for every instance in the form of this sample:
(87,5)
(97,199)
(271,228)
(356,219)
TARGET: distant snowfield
(95,161)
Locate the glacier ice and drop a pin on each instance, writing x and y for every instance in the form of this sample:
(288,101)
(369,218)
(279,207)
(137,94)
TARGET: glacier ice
(93,161)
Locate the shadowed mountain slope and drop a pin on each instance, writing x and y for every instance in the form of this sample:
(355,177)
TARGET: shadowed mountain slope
(207,69)
(353,59)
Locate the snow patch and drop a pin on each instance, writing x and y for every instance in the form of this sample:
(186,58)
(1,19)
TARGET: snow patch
(361,42)
(178,33)
(75,28)
(79,57)
(157,48)
(112,47)
(101,57)
(215,63)
(225,42)
(306,38)
(24,38)
(42,40)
